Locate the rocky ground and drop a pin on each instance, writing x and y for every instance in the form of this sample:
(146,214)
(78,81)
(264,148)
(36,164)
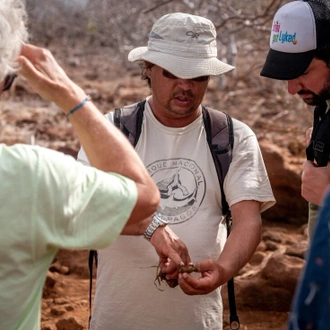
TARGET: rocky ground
(264,288)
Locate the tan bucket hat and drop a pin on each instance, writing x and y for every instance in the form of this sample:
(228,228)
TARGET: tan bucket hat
(184,45)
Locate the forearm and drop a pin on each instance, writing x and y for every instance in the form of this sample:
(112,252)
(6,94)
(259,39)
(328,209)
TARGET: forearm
(136,228)
(243,240)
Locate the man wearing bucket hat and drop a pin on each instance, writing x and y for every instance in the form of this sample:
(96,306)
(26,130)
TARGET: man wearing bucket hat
(300,53)
(180,58)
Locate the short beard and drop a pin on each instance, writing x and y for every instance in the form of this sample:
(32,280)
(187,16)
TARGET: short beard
(313,100)
(181,92)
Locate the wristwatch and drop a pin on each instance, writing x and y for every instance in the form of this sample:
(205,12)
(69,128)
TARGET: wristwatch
(157,221)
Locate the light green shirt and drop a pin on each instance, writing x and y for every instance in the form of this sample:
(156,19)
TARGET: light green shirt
(49,201)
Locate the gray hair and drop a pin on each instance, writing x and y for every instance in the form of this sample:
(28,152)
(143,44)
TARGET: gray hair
(13,32)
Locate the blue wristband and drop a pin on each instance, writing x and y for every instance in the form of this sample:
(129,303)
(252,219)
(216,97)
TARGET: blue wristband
(86,99)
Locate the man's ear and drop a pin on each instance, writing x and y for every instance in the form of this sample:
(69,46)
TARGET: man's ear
(148,72)
(148,66)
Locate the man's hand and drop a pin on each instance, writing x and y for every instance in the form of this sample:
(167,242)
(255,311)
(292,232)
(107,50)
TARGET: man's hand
(211,277)
(314,182)
(241,244)
(171,250)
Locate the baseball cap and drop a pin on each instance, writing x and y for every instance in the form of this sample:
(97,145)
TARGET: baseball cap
(298,29)
(183,44)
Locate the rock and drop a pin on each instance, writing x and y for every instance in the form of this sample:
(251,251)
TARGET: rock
(282,271)
(46,328)
(298,250)
(69,308)
(272,236)
(68,324)
(271,246)
(57,267)
(56,311)
(61,301)
(49,285)
(285,180)
(257,258)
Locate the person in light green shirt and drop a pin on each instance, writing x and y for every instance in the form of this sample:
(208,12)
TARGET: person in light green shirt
(48,200)
(45,206)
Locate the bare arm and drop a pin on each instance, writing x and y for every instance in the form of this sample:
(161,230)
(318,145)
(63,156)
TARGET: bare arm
(105,146)
(239,248)
(244,237)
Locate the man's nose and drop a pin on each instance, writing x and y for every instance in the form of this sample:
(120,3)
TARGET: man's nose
(185,84)
(294,86)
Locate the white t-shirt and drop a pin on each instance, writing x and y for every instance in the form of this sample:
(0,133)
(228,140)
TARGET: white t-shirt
(180,162)
(50,201)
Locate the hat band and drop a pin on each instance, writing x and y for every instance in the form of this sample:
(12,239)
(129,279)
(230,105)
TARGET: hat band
(183,50)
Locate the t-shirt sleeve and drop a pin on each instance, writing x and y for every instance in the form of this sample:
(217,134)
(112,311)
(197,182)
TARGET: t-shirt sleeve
(247,178)
(79,206)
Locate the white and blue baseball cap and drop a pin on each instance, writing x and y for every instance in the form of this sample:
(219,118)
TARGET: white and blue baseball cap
(299,28)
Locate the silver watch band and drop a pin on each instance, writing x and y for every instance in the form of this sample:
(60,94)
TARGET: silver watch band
(157,221)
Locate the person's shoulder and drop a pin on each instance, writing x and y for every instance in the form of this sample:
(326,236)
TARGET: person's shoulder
(21,157)
(239,123)
(18,151)
(240,126)
(28,154)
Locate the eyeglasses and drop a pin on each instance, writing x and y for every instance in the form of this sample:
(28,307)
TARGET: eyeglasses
(8,81)
(172,76)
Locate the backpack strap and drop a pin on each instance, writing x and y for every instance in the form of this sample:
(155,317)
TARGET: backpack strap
(319,147)
(129,121)
(91,258)
(220,138)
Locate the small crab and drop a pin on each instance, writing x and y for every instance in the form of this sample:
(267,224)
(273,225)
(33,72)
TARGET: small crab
(173,282)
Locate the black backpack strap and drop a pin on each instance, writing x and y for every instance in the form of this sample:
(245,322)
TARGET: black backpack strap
(319,147)
(220,138)
(129,121)
(91,258)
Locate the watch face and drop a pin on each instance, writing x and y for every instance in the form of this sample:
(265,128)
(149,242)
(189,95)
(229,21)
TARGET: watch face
(160,218)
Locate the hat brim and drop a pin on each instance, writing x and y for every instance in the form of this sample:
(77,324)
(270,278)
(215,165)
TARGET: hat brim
(182,67)
(286,66)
